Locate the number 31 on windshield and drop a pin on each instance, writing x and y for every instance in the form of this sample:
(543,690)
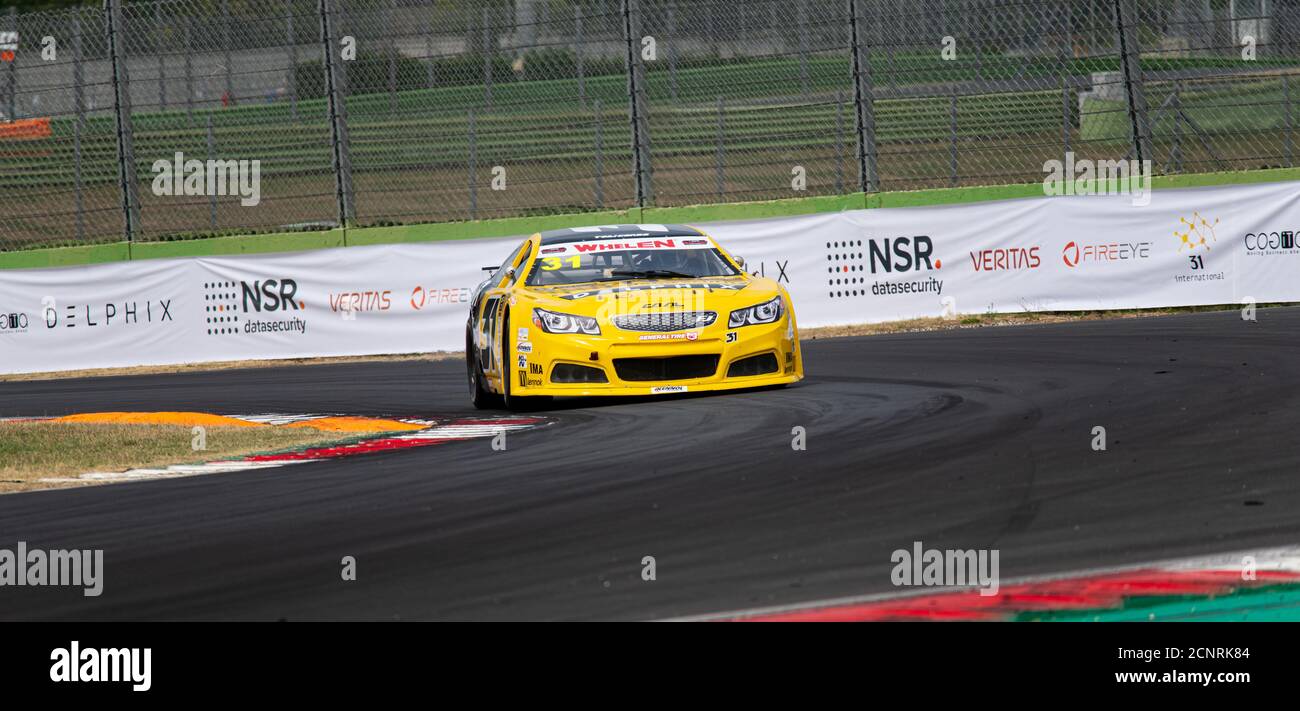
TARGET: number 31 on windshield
(550,264)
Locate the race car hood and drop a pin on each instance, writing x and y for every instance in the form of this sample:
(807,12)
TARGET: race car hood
(719,294)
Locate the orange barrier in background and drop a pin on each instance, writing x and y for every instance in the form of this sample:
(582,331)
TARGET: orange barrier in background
(26,129)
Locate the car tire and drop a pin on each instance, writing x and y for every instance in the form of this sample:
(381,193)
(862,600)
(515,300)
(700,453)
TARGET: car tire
(478,395)
(514,403)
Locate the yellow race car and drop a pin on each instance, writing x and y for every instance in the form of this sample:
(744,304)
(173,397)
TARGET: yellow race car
(625,310)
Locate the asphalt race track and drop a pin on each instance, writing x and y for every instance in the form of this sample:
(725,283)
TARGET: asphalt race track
(977,438)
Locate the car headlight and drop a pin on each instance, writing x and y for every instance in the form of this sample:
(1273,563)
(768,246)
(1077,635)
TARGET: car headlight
(555,322)
(766,312)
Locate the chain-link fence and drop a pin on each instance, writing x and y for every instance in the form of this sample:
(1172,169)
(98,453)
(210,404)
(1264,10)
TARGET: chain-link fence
(171,119)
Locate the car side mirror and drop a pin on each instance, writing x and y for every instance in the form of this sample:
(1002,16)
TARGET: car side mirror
(740,261)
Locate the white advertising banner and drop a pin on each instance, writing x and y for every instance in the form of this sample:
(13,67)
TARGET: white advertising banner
(1187,247)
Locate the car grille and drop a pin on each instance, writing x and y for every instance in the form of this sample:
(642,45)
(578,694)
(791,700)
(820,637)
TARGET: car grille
(570,373)
(753,365)
(672,368)
(660,322)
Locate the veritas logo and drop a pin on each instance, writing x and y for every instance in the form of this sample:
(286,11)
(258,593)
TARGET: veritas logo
(356,301)
(1075,255)
(1013,258)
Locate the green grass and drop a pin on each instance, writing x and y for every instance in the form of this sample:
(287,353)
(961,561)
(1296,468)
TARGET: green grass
(1256,105)
(544,120)
(410,163)
(30,451)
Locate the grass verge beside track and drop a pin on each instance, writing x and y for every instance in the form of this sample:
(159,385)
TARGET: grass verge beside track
(33,450)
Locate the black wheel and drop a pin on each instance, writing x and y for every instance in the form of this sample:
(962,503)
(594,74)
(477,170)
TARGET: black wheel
(514,403)
(482,399)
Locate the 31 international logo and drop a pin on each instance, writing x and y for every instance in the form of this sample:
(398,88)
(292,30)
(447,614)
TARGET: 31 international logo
(1195,233)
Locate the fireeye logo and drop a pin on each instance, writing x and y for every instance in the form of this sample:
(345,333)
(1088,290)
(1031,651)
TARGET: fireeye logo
(1075,255)
(1071,254)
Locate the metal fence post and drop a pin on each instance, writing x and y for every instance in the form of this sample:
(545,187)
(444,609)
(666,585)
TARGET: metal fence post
(635,70)
(162,55)
(673,41)
(488,55)
(1286,108)
(720,155)
(212,194)
(839,143)
(802,21)
(577,51)
(292,75)
(600,155)
(715,47)
(1176,150)
(341,162)
(79,125)
(1126,35)
(225,49)
(122,120)
(392,58)
(1065,118)
(11,72)
(472,129)
(863,98)
(952,139)
(189,70)
(430,79)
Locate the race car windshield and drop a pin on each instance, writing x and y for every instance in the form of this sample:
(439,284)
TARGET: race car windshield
(567,265)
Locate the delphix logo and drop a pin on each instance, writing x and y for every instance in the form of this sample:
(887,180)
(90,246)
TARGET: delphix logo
(109,314)
(850,260)
(777,271)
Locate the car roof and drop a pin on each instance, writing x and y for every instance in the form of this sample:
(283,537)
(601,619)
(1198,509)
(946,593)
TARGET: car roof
(595,232)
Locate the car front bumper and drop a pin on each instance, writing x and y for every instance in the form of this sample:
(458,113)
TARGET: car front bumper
(533,374)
